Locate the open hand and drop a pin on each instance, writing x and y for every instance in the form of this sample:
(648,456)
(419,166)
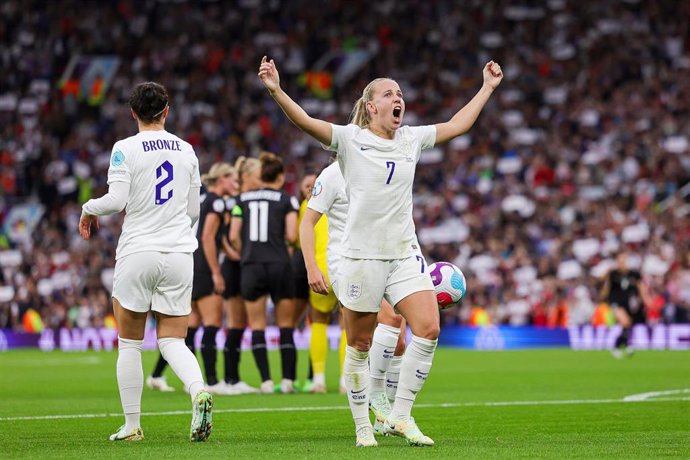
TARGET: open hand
(492,74)
(268,73)
(85,222)
(317,282)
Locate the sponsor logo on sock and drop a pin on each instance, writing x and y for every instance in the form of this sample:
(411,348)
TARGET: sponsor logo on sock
(391,383)
(388,353)
(421,375)
(355,395)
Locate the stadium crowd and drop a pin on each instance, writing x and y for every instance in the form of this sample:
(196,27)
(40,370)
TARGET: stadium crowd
(584,150)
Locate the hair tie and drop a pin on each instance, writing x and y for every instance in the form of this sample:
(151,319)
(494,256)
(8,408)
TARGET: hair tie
(166,106)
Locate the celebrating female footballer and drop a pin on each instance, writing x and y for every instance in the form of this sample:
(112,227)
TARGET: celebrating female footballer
(378,156)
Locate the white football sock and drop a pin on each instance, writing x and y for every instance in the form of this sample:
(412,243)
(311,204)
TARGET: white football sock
(416,364)
(130,380)
(381,353)
(319,379)
(183,363)
(356,372)
(392,377)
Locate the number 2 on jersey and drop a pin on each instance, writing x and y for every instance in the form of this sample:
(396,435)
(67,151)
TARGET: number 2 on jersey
(258,221)
(391,165)
(167,169)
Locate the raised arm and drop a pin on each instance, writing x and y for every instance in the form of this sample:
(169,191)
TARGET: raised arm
(318,129)
(463,120)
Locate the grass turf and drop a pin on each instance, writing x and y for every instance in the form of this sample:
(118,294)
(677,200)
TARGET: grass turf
(513,404)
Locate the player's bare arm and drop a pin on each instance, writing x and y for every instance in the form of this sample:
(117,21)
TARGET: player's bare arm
(236,233)
(316,279)
(318,129)
(291,227)
(463,120)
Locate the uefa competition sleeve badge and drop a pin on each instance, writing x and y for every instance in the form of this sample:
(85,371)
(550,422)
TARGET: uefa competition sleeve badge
(317,189)
(118,158)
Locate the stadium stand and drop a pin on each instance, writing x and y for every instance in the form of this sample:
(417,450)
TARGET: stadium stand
(584,150)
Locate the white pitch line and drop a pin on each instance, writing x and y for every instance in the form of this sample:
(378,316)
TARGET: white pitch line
(329,408)
(653,394)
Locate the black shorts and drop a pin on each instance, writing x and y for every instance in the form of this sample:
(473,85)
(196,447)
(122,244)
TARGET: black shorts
(259,279)
(635,311)
(231,271)
(202,285)
(299,273)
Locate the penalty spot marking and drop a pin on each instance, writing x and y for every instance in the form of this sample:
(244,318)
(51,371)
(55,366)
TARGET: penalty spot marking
(330,408)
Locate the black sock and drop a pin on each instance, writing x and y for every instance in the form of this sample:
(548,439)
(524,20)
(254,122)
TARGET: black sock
(209,354)
(622,340)
(288,353)
(311,370)
(231,352)
(260,354)
(160,366)
(189,340)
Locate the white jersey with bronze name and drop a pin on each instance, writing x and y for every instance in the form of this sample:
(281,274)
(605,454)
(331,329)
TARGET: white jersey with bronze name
(379,174)
(160,168)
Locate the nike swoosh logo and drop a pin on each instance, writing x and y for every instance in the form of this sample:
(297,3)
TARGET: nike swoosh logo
(357,392)
(365,148)
(392,382)
(423,373)
(388,351)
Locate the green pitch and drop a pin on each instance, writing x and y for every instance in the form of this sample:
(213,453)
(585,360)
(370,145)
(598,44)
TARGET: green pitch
(517,404)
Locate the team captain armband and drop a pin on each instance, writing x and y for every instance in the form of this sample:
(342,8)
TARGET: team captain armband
(237,211)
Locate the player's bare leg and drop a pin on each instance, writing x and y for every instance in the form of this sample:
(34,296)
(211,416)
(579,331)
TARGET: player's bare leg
(421,312)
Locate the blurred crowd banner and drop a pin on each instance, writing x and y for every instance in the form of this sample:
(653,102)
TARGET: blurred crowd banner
(659,337)
(88,77)
(21,220)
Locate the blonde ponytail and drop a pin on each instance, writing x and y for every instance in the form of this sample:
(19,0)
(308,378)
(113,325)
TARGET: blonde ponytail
(244,165)
(360,115)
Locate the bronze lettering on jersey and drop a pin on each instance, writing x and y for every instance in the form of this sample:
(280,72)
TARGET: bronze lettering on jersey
(161,144)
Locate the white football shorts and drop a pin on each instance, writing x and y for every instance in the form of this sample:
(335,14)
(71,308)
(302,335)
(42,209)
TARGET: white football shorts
(159,281)
(362,283)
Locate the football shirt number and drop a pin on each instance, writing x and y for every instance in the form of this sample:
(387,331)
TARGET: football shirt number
(390,165)
(258,221)
(421,261)
(164,172)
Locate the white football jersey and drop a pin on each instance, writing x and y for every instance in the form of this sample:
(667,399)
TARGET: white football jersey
(160,168)
(379,174)
(329,197)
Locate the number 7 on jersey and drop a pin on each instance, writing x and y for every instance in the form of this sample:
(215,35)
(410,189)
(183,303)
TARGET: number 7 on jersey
(390,165)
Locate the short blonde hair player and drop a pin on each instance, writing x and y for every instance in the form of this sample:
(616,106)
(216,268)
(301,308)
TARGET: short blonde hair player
(378,157)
